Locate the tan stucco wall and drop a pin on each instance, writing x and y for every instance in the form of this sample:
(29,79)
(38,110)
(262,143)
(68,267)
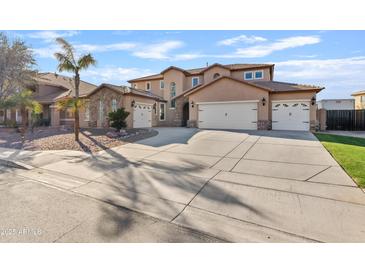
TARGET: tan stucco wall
(358,103)
(188,81)
(155,86)
(208,74)
(229,90)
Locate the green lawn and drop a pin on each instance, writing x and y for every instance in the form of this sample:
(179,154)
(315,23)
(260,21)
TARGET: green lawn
(349,152)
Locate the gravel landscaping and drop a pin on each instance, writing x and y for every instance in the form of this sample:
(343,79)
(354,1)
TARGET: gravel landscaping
(91,140)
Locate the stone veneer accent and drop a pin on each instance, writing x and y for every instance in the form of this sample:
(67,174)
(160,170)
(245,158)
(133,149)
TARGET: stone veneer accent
(263,125)
(106,95)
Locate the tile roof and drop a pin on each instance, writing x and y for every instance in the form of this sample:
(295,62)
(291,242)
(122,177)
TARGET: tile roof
(67,83)
(276,86)
(271,86)
(361,92)
(129,90)
(195,71)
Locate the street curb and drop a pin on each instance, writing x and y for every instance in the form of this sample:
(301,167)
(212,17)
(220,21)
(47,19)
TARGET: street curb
(15,164)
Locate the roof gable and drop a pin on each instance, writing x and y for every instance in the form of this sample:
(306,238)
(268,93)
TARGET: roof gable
(225,77)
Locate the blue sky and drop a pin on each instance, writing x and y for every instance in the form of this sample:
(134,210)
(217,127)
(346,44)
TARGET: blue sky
(333,59)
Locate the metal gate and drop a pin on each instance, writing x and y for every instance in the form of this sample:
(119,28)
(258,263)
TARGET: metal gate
(345,119)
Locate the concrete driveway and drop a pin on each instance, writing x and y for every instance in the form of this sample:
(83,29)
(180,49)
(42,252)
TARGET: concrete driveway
(237,186)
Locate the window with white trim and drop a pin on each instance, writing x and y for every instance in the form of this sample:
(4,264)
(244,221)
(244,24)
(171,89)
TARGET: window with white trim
(135,85)
(162,84)
(248,75)
(148,85)
(172,94)
(18,116)
(194,81)
(162,111)
(114,105)
(259,74)
(362,99)
(101,110)
(8,114)
(87,111)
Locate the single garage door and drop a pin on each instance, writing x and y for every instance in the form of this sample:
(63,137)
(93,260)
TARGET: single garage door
(290,115)
(142,115)
(232,115)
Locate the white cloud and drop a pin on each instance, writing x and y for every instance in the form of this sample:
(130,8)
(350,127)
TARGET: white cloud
(159,51)
(104,48)
(50,36)
(114,75)
(48,52)
(282,44)
(241,38)
(340,76)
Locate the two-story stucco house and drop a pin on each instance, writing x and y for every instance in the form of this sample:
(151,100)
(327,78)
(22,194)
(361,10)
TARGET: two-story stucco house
(359,99)
(234,96)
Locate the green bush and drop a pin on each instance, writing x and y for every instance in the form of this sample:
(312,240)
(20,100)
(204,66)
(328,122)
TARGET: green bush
(117,118)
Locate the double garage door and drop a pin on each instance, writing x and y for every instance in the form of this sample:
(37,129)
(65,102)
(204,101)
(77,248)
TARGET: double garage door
(286,115)
(230,115)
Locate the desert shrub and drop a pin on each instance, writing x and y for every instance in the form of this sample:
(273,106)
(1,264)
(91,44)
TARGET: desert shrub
(117,118)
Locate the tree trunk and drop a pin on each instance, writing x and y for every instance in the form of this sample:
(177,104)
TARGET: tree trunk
(23,128)
(77,116)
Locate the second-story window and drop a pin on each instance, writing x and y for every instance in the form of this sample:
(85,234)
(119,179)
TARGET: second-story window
(172,94)
(259,74)
(114,105)
(135,85)
(162,84)
(248,75)
(148,86)
(194,81)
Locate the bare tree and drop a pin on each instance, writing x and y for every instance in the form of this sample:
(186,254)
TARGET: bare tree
(16,67)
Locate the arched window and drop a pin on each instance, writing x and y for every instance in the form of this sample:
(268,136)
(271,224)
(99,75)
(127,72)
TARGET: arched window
(172,94)
(216,75)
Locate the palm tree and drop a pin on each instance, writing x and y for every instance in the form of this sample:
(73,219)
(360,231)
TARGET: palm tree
(67,61)
(24,101)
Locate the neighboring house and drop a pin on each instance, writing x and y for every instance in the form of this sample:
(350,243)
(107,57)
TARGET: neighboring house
(336,104)
(48,88)
(235,96)
(359,99)
(98,102)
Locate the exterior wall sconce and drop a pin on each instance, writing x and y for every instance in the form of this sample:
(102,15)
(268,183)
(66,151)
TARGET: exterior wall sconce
(133,103)
(192,104)
(263,101)
(313,100)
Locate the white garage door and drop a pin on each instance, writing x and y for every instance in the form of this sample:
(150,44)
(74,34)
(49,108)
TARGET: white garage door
(232,115)
(290,115)
(142,115)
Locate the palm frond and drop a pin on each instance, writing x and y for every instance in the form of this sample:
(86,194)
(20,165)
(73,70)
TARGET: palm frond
(85,61)
(67,48)
(64,63)
(65,103)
